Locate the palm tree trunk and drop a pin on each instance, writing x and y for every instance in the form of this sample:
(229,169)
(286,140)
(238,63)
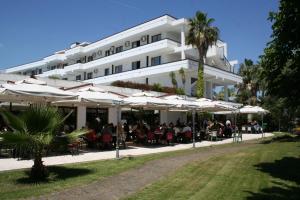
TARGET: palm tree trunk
(200,81)
(38,169)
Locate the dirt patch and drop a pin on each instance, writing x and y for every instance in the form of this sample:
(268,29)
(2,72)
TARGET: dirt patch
(133,180)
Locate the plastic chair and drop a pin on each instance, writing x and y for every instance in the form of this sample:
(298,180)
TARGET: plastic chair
(188,136)
(106,140)
(150,137)
(169,137)
(214,135)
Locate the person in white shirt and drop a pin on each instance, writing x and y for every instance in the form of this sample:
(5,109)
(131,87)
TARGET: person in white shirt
(186,128)
(228,123)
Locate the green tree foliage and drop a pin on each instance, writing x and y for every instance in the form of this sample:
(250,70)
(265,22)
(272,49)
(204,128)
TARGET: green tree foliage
(173,79)
(182,74)
(248,90)
(202,35)
(34,131)
(281,59)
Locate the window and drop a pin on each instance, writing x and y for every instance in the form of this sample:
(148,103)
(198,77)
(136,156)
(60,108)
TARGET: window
(53,67)
(155,61)
(119,49)
(90,75)
(40,71)
(107,53)
(136,65)
(78,77)
(90,58)
(106,71)
(135,44)
(118,69)
(156,38)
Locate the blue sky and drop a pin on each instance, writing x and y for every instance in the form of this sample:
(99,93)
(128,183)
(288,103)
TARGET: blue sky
(32,29)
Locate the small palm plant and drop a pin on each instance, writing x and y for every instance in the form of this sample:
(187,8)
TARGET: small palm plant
(34,131)
(182,74)
(173,79)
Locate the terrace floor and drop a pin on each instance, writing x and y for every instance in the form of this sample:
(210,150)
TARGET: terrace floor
(11,163)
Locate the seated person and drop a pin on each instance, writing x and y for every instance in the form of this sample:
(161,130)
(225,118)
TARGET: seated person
(186,128)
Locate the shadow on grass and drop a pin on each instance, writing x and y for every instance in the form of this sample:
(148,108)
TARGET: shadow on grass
(286,169)
(56,173)
(276,193)
(283,138)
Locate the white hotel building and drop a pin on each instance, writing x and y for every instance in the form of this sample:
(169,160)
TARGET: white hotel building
(145,53)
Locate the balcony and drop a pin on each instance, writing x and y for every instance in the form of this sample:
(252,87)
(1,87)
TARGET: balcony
(145,71)
(166,68)
(162,46)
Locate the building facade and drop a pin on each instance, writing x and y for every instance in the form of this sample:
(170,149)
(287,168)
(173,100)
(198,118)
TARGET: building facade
(146,53)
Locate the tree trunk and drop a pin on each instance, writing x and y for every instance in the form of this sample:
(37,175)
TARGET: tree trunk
(200,81)
(38,170)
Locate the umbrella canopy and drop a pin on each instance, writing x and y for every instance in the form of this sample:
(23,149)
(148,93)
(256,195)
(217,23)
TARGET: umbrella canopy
(147,100)
(27,92)
(31,81)
(93,96)
(180,102)
(207,105)
(253,110)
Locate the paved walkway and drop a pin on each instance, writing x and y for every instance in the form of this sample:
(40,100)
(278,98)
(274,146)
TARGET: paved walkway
(10,163)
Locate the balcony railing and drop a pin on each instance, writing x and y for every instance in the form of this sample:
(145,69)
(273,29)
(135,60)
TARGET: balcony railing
(70,66)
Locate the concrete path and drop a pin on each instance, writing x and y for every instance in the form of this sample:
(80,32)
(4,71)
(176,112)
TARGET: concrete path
(11,163)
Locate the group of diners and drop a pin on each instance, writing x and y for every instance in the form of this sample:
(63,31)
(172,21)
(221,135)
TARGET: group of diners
(142,133)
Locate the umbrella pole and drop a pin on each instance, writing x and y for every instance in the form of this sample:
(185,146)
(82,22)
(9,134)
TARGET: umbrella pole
(117,133)
(262,125)
(193,115)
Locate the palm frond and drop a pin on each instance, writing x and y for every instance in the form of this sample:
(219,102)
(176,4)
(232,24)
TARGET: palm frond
(42,119)
(16,139)
(13,121)
(75,134)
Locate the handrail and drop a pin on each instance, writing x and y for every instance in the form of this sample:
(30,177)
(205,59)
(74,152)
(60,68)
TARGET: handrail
(188,59)
(232,72)
(119,52)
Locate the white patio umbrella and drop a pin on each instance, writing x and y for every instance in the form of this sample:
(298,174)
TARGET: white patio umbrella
(147,100)
(207,105)
(180,103)
(33,93)
(247,110)
(253,110)
(94,96)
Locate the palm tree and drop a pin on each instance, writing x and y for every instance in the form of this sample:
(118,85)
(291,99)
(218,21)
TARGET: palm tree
(252,84)
(34,131)
(201,35)
(173,79)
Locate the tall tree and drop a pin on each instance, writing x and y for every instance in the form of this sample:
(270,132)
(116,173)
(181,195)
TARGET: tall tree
(281,59)
(250,87)
(202,35)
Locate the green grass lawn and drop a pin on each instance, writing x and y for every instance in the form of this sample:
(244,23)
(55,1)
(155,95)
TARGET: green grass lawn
(268,171)
(16,184)
(245,174)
